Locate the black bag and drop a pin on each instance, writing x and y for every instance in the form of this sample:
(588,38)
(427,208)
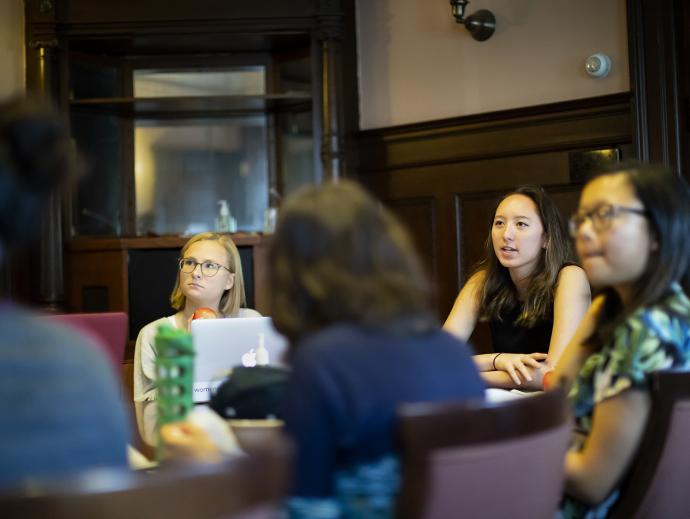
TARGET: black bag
(252,393)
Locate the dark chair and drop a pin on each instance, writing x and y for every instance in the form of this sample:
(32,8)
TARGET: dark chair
(658,484)
(248,487)
(108,330)
(483,460)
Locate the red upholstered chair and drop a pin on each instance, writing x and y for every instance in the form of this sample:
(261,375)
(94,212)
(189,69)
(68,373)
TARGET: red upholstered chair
(248,487)
(483,460)
(108,330)
(658,484)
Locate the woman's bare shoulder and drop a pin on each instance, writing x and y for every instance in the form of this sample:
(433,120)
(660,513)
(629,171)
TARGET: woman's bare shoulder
(477,279)
(572,275)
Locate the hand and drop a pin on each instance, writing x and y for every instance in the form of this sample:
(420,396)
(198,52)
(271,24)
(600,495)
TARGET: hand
(185,441)
(521,367)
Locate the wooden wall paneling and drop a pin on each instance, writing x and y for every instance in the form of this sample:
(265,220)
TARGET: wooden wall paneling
(584,124)
(261,283)
(658,57)
(88,11)
(418,215)
(473,221)
(91,273)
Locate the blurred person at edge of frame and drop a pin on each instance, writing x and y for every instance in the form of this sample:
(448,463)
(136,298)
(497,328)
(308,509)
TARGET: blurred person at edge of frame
(631,233)
(60,407)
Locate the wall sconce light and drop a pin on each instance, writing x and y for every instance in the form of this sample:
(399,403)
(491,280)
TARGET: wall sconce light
(481,24)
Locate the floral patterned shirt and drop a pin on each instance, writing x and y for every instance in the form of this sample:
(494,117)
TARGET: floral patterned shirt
(653,338)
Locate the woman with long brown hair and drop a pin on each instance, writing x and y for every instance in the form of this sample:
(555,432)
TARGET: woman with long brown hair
(527,288)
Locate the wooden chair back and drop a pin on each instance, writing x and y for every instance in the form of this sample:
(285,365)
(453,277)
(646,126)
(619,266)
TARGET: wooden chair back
(482,459)
(247,487)
(658,484)
(107,329)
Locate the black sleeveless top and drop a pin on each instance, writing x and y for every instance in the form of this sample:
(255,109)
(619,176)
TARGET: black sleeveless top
(508,337)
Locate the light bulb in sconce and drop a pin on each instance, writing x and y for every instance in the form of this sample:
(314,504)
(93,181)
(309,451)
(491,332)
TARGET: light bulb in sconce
(598,65)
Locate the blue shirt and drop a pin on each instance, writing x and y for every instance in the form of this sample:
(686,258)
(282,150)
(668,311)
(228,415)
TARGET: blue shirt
(346,385)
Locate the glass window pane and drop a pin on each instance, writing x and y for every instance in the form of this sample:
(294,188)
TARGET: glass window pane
(297,151)
(200,82)
(99,192)
(184,167)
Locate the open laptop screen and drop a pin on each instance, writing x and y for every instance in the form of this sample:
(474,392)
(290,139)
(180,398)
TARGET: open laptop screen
(221,344)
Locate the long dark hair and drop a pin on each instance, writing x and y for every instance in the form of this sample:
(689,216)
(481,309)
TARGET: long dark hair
(339,256)
(666,198)
(498,295)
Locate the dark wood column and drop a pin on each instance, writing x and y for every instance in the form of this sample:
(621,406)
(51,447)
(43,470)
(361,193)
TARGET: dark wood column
(659,59)
(329,36)
(42,80)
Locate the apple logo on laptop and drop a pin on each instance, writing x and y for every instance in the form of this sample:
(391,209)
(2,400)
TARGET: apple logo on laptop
(249,359)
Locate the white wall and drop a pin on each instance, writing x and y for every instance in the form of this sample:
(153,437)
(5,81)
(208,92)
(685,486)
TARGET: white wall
(417,64)
(11,47)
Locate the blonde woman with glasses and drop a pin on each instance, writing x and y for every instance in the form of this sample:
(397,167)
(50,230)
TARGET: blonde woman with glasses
(210,275)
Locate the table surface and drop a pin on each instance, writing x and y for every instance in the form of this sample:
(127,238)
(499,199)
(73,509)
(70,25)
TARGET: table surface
(250,434)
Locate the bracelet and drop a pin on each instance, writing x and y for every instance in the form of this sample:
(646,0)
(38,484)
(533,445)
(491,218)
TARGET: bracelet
(495,357)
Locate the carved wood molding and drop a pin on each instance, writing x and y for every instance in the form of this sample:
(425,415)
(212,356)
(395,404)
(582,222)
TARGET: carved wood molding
(132,17)
(587,123)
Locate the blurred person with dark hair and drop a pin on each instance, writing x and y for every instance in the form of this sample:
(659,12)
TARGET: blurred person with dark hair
(60,409)
(350,294)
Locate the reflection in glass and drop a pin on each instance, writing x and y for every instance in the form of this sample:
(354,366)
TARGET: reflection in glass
(184,167)
(200,82)
(297,146)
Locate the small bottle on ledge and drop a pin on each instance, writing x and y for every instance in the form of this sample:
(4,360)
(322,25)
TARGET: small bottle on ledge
(225,221)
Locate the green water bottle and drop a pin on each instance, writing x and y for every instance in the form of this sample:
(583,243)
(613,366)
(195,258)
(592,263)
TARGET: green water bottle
(174,373)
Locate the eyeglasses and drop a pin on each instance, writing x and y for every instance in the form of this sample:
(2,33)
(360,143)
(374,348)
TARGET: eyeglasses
(602,216)
(208,268)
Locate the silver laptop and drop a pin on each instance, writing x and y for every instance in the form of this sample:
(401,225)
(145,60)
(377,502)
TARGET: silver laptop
(221,344)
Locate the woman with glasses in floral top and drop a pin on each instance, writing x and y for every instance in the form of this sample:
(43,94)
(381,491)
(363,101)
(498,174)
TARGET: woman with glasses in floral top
(210,275)
(631,229)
